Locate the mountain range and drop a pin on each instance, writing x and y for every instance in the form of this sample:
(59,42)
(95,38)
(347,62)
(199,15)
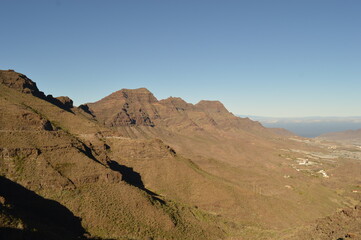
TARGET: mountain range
(130,166)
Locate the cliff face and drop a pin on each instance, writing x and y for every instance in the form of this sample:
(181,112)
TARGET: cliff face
(139,107)
(212,107)
(125,108)
(20,82)
(206,128)
(23,84)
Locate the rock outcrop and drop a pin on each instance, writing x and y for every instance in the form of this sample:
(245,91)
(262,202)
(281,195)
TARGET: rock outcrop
(125,108)
(212,106)
(23,84)
(66,102)
(20,82)
(139,107)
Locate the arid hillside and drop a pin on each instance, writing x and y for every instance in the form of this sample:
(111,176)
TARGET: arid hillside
(343,225)
(131,166)
(350,136)
(249,158)
(59,155)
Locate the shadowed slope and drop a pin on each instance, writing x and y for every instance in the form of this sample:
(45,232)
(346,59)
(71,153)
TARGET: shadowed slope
(41,218)
(128,174)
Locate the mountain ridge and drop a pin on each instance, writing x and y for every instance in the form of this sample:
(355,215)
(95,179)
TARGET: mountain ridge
(139,107)
(137,168)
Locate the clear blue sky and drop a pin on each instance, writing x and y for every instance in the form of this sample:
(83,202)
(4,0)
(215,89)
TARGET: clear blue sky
(268,58)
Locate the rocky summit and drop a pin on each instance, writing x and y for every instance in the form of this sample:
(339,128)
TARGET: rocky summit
(130,166)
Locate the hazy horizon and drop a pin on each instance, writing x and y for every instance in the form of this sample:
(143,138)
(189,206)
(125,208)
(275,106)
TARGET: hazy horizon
(298,117)
(313,126)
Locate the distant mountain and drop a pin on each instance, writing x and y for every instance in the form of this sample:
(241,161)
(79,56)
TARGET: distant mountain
(139,107)
(310,126)
(350,136)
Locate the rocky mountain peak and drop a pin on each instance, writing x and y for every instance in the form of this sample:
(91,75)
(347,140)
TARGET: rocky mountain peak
(22,83)
(211,106)
(141,95)
(176,102)
(19,82)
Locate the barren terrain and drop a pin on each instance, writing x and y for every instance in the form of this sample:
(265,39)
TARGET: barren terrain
(131,166)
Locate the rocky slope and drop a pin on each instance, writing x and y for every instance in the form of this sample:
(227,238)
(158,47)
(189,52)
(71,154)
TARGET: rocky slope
(62,156)
(26,215)
(131,166)
(343,225)
(240,158)
(139,107)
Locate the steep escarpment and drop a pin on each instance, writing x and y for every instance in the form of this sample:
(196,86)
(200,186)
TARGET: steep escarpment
(23,84)
(206,128)
(212,107)
(125,107)
(20,82)
(139,107)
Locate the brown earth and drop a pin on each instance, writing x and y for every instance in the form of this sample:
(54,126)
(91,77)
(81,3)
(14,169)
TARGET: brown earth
(342,225)
(62,156)
(133,167)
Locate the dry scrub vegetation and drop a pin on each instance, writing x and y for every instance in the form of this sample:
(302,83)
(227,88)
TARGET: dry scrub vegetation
(132,167)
